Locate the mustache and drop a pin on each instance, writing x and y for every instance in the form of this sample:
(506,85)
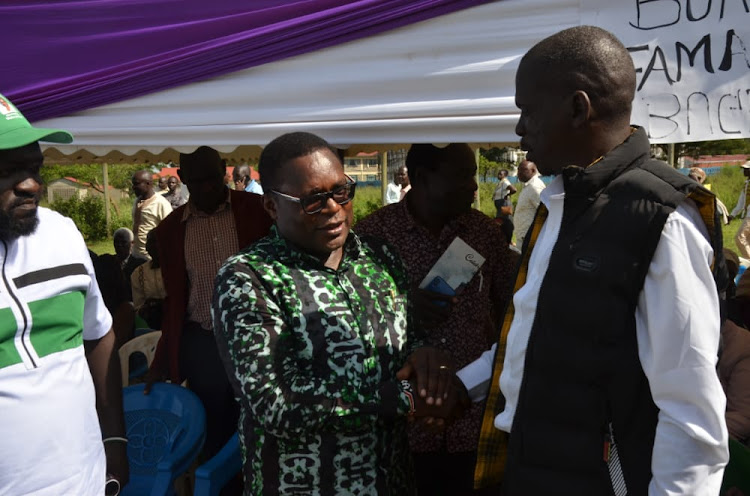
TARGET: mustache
(23,200)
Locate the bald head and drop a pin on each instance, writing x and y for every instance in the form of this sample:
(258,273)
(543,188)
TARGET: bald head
(143,187)
(589,59)
(575,91)
(142,175)
(526,171)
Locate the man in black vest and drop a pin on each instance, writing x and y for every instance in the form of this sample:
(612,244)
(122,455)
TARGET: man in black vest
(608,377)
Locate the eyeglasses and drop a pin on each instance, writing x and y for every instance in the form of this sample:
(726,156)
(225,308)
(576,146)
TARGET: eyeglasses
(312,204)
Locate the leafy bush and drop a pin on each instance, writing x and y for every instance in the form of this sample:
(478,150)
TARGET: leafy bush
(87,213)
(122,216)
(366,200)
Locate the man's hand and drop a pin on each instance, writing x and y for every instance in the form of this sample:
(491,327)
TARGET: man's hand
(433,370)
(104,364)
(433,417)
(430,307)
(117,461)
(153,376)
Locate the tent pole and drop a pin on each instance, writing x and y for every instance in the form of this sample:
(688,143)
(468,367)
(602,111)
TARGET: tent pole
(476,160)
(383,175)
(670,154)
(105,180)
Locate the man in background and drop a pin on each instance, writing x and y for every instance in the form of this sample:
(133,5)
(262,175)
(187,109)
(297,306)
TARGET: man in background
(113,274)
(528,199)
(244,182)
(123,240)
(174,195)
(149,209)
(742,238)
(163,184)
(193,243)
(402,176)
(397,189)
(503,204)
(436,211)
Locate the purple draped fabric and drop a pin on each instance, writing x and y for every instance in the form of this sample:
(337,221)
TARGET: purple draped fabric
(60,57)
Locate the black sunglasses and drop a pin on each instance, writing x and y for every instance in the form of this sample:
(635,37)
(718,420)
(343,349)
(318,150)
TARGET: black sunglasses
(312,204)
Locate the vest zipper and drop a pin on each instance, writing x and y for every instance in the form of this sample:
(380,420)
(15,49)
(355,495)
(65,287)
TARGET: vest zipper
(25,330)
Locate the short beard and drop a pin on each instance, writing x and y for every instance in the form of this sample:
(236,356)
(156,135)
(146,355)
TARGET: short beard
(12,228)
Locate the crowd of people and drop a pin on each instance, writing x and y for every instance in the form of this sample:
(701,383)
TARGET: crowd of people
(607,355)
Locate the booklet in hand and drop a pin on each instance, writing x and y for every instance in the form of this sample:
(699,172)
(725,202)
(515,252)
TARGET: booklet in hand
(454,269)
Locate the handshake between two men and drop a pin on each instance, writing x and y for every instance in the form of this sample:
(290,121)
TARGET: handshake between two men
(439,395)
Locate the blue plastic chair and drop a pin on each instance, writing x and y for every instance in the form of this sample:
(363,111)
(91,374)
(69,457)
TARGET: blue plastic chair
(741,271)
(138,364)
(140,331)
(213,475)
(166,431)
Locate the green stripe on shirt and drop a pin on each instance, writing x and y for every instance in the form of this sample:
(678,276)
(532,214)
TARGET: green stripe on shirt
(8,326)
(57,323)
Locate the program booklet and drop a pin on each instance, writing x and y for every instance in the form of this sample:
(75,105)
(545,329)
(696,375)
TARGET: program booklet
(454,269)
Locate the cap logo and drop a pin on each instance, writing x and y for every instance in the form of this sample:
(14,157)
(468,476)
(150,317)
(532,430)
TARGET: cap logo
(7,110)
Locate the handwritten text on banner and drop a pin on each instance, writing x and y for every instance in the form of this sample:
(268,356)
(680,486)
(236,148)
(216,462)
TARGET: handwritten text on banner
(692,59)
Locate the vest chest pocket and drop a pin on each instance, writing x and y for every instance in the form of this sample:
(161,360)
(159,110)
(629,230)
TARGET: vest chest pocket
(590,291)
(606,266)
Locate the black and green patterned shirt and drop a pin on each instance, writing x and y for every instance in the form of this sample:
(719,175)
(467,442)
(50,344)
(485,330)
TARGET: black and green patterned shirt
(312,354)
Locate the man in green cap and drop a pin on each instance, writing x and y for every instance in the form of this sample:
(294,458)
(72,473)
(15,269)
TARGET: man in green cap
(61,420)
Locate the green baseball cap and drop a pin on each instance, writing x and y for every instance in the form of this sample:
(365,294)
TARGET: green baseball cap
(15,130)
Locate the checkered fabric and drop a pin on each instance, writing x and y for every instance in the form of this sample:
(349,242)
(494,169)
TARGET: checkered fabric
(492,450)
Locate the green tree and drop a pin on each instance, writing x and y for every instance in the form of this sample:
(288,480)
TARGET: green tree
(494,154)
(487,168)
(119,174)
(491,161)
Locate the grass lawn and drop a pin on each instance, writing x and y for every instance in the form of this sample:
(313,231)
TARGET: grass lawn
(101,247)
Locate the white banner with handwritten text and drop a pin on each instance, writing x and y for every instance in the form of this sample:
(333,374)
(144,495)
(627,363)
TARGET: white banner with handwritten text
(692,59)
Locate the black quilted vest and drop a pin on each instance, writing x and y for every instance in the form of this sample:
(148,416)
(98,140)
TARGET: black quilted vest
(582,370)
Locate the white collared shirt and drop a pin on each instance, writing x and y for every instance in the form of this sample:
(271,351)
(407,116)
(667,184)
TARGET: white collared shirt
(677,328)
(392,193)
(528,201)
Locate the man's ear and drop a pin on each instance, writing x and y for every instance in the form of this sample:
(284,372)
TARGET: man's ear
(581,109)
(269,204)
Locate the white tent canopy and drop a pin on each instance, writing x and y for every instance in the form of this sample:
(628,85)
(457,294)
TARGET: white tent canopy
(449,79)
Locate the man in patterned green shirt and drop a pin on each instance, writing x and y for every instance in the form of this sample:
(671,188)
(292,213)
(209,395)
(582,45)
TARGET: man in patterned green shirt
(312,327)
